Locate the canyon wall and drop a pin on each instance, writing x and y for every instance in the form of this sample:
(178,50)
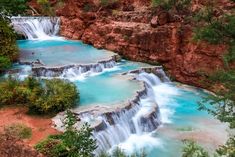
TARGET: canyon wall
(138,32)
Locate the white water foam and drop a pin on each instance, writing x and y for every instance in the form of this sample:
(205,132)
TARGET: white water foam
(160,93)
(137,143)
(37,28)
(73,74)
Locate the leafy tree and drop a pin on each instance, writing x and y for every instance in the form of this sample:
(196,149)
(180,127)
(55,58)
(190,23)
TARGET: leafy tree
(71,143)
(217,30)
(222,105)
(228,149)
(13,7)
(41,96)
(191,149)
(54,96)
(8,48)
(5,63)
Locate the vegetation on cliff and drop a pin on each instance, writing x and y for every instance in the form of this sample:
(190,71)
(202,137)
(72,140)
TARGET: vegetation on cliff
(8,47)
(169,4)
(40,96)
(47,8)
(216,30)
(13,7)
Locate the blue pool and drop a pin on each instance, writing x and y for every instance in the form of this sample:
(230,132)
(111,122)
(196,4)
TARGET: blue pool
(178,107)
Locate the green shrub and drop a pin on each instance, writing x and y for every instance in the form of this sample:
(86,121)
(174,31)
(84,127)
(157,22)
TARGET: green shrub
(169,4)
(41,96)
(192,149)
(46,7)
(13,7)
(20,131)
(228,149)
(56,95)
(5,63)
(51,148)
(8,47)
(12,93)
(71,143)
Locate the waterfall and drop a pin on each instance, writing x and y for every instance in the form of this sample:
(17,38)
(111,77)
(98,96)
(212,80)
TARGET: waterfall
(113,127)
(143,117)
(37,28)
(75,72)
(19,71)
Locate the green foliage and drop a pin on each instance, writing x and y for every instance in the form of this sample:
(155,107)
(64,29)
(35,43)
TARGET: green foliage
(71,143)
(20,131)
(13,7)
(53,96)
(191,149)
(46,7)
(210,33)
(41,96)
(216,30)
(12,92)
(169,4)
(106,3)
(52,148)
(222,105)
(5,63)
(87,7)
(8,47)
(156,3)
(228,149)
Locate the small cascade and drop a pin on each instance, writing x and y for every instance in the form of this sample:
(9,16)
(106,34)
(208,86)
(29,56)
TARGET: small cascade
(37,28)
(19,71)
(140,117)
(74,72)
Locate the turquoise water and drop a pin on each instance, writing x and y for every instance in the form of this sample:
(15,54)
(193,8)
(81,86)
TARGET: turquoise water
(181,120)
(110,87)
(60,52)
(107,88)
(178,105)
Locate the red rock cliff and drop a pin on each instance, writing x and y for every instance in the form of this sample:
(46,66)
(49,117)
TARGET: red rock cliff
(134,30)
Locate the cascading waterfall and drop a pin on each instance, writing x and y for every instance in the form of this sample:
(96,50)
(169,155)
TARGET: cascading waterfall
(37,28)
(116,126)
(75,72)
(142,118)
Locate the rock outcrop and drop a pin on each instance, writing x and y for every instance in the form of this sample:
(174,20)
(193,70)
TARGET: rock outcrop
(141,33)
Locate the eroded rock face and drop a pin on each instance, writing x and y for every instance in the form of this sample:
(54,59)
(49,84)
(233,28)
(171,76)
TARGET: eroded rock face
(146,35)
